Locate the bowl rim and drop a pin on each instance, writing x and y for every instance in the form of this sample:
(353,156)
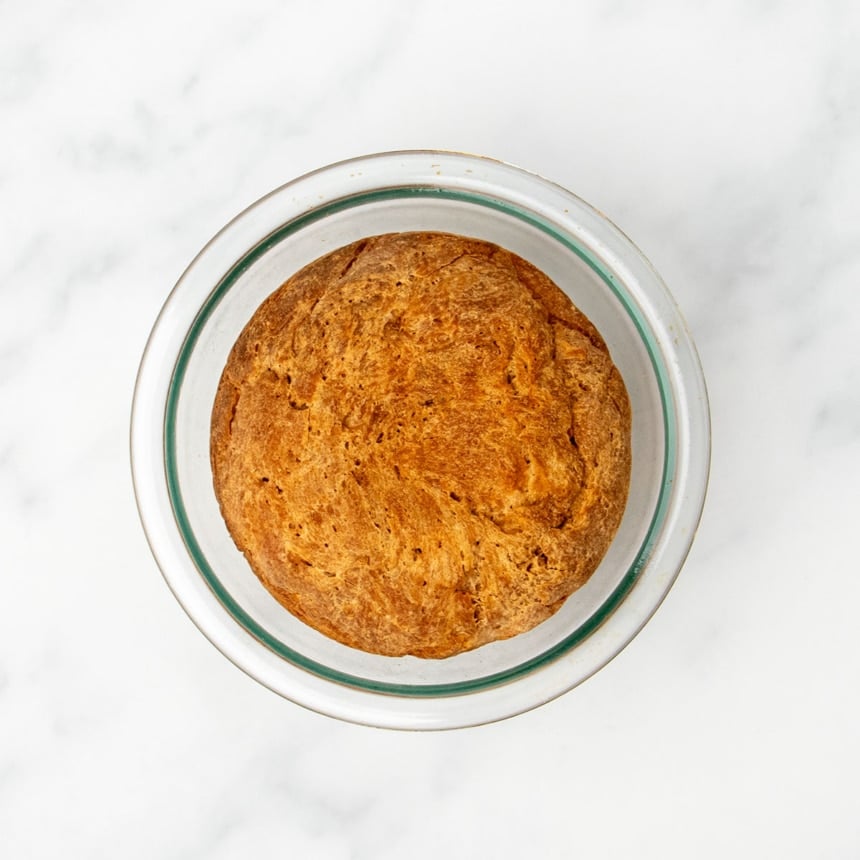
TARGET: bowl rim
(432,705)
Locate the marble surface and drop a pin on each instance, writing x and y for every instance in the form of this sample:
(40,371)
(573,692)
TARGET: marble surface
(725,140)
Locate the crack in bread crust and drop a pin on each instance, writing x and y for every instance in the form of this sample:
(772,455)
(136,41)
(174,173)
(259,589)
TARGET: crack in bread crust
(421,445)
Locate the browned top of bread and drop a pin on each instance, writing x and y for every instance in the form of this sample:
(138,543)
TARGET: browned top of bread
(421,445)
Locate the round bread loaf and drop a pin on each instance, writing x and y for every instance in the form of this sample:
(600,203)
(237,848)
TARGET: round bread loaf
(421,445)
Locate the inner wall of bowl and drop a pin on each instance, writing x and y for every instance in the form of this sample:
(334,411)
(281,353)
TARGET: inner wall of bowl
(200,366)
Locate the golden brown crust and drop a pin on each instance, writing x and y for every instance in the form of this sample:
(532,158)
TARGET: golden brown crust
(421,445)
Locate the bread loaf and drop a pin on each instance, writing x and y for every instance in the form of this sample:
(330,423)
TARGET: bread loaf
(421,445)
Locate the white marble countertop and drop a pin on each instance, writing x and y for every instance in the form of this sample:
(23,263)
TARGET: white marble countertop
(726,142)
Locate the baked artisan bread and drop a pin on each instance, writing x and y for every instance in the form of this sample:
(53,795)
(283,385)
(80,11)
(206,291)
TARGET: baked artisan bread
(421,445)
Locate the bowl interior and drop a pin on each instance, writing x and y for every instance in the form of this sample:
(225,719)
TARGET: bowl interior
(592,286)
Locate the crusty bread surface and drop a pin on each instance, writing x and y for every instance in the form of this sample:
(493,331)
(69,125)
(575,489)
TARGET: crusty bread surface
(421,445)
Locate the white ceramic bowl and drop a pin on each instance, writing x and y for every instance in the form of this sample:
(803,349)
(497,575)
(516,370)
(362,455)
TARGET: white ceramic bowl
(605,275)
